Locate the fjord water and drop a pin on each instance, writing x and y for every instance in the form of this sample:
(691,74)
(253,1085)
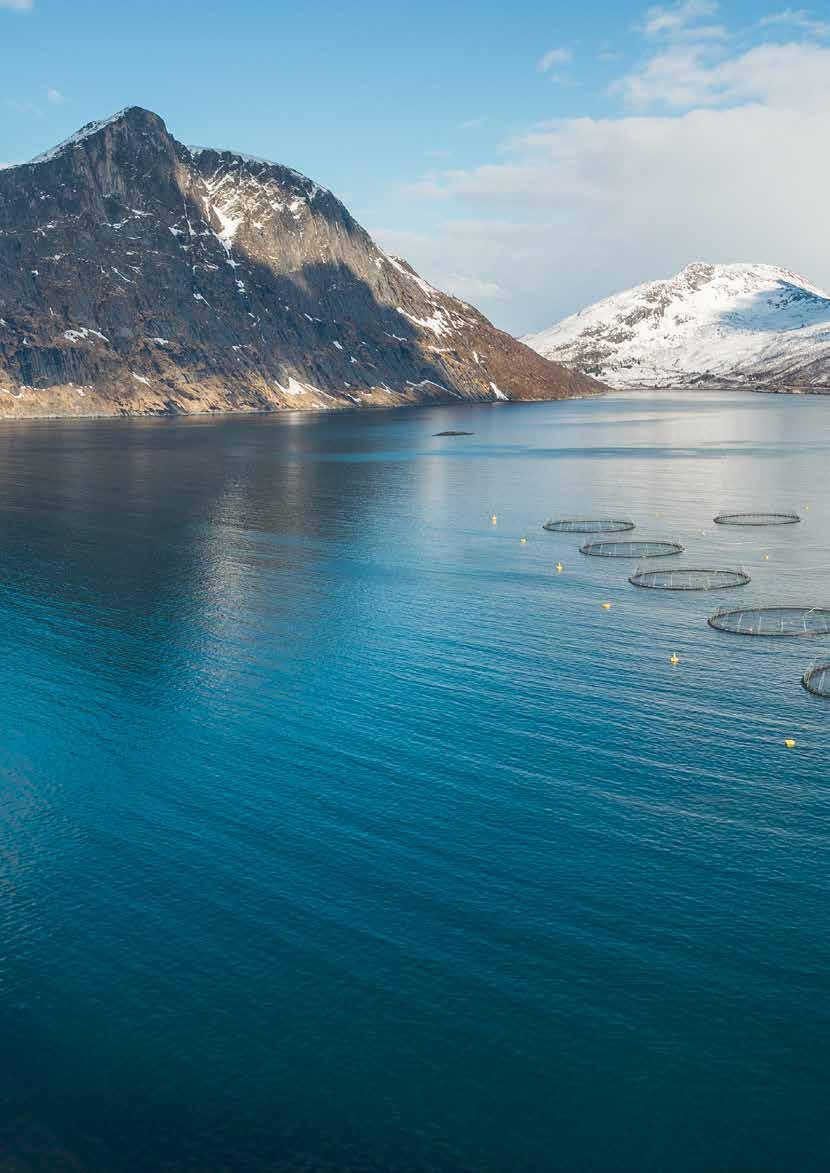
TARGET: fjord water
(339,831)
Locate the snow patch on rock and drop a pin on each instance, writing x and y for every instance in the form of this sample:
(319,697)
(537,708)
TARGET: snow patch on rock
(78,137)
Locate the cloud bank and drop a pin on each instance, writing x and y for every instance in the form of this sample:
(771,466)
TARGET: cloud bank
(715,155)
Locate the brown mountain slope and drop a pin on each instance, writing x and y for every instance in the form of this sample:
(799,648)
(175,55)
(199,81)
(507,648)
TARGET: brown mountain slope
(141,276)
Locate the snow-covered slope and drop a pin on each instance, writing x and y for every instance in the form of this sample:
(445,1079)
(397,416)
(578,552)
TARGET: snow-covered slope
(741,325)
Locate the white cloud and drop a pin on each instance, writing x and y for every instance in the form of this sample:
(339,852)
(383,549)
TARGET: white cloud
(553,57)
(578,208)
(798,18)
(683,76)
(678,77)
(55,96)
(660,21)
(473,289)
(17,5)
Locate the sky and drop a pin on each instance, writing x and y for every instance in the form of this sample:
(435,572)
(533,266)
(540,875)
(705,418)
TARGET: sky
(530,158)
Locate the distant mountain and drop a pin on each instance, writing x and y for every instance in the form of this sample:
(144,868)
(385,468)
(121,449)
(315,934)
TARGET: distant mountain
(715,325)
(141,276)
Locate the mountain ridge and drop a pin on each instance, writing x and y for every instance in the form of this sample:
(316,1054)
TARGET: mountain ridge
(737,324)
(140,276)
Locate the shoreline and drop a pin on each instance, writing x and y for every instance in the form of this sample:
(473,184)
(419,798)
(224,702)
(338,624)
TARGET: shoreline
(727,388)
(354,409)
(345,409)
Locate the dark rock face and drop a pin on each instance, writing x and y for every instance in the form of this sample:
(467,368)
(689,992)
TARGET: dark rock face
(141,276)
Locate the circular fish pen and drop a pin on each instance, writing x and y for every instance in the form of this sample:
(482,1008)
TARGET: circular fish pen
(773,621)
(817,680)
(682,578)
(631,549)
(757,519)
(588,525)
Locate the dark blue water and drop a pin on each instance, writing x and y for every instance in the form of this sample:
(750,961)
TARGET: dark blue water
(338,831)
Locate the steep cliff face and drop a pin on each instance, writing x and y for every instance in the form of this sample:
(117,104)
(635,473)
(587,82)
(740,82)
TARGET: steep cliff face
(716,325)
(138,275)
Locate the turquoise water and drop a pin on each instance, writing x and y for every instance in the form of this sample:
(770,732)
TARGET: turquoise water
(339,831)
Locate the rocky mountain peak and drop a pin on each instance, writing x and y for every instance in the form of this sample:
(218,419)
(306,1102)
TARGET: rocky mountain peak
(696,274)
(125,125)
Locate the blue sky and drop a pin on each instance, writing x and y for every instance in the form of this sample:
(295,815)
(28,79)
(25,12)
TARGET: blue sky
(531,157)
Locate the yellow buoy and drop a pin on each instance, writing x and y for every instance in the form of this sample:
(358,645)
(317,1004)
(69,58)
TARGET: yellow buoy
(523,541)
(494,519)
(559,567)
(674,658)
(789,742)
(606,606)
(766,557)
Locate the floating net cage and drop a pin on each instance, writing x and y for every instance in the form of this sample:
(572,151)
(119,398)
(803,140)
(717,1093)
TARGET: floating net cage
(587,525)
(757,519)
(774,621)
(677,578)
(631,549)
(817,680)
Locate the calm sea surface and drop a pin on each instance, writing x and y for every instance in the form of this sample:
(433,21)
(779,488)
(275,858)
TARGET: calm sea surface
(339,832)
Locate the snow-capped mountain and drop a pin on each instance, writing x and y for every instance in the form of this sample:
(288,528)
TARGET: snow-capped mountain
(717,325)
(138,275)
